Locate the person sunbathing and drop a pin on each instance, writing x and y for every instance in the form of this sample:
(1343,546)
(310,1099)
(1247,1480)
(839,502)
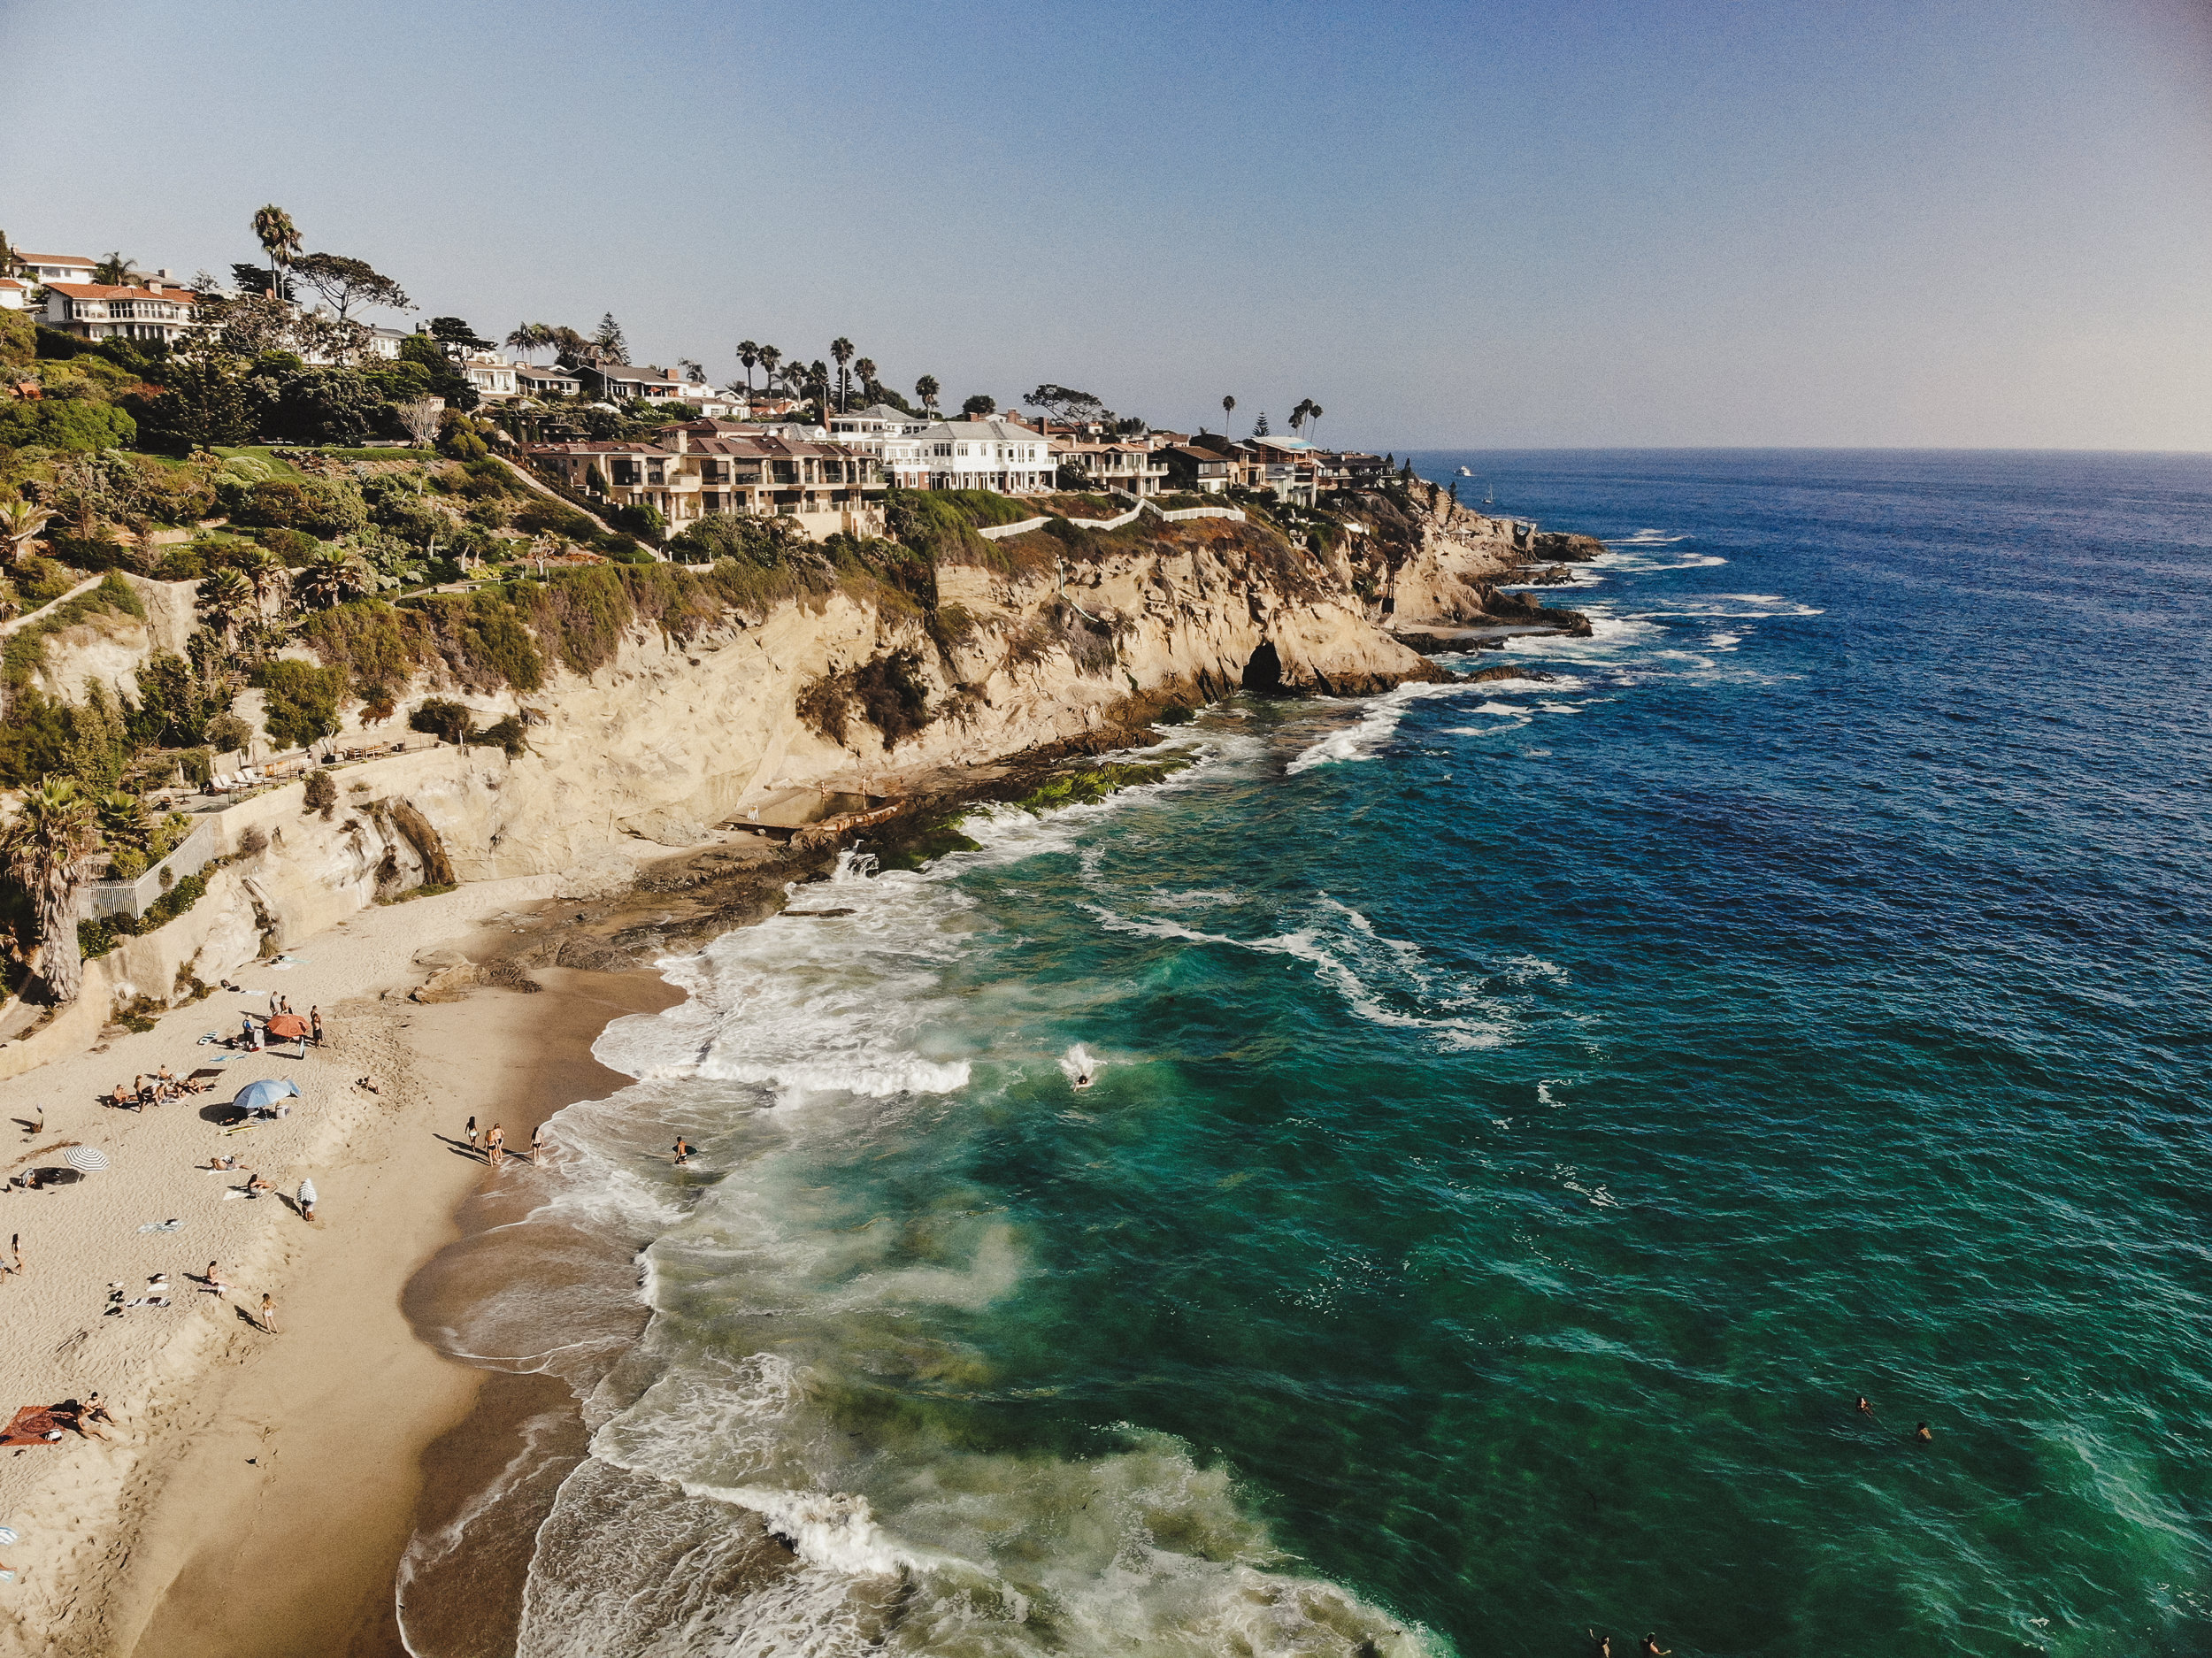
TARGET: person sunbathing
(120,1097)
(367,1082)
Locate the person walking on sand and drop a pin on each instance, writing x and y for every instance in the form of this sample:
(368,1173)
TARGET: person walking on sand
(472,1133)
(496,1146)
(215,1282)
(537,1142)
(268,1313)
(307,1200)
(15,1252)
(315,1024)
(274,1009)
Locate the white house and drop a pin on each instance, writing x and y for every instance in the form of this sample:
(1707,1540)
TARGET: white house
(98,310)
(55,267)
(867,428)
(14,294)
(1002,455)
(492,375)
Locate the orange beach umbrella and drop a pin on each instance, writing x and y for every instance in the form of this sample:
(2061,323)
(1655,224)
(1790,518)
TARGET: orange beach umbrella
(287,1024)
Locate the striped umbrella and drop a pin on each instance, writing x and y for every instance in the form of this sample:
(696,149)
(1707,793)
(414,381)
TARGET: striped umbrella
(86,1159)
(8,1537)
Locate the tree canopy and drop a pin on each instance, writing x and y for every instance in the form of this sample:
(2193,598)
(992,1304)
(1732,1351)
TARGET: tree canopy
(344,282)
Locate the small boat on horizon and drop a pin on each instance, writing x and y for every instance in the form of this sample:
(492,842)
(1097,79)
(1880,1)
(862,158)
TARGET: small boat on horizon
(1466,471)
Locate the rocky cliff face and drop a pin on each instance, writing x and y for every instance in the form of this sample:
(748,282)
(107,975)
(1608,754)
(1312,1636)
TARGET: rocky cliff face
(1078,641)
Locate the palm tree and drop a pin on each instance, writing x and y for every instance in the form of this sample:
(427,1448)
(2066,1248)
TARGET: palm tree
(530,336)
(264,573)
(842,353)
(1313,416)
(45,847)
(116,271)
(331,577)
(223,599)
(817,386)
(19,525)
(1228,408)
(1298,417)
(769,356)
(748,354)
(692,370)
(865,367)
(926,389)
(280,238)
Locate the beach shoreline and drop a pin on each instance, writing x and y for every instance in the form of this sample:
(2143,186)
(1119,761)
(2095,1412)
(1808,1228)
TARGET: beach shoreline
(263,1488)
(257,1488)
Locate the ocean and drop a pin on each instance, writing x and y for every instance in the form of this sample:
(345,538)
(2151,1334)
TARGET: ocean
(1524,1117)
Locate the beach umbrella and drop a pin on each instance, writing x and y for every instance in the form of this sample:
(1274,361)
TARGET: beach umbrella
(8,1537)
(287,1024)
(86,1159)
(254,1096)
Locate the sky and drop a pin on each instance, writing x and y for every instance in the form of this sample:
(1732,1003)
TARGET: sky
(1547,224)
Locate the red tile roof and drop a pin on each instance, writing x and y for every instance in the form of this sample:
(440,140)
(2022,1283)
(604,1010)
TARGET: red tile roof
(101,290)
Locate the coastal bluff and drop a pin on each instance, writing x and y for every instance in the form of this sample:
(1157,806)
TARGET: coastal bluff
(1056,637)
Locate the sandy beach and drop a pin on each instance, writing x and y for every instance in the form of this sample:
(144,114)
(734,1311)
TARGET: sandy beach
(257,1488)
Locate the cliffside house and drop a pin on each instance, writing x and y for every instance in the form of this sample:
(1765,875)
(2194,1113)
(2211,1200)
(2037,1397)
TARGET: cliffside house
(620,383)
(1135,465)
(1003,457)
(868,428)
(690,474)
(492,375)
(15,293)
(36,268)
(556,381)
(385,342)
(1201,471)
(95,310)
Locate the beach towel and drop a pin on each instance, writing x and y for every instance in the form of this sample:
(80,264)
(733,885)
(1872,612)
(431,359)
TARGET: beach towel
(161,1225)
(33,1424)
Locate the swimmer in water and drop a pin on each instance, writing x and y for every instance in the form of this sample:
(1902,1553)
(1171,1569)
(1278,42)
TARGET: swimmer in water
(1921,1434)
(1865,1410)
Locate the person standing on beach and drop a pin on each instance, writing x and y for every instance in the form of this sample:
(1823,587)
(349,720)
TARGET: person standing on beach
(268,1313)
(496,1146)
(15,1252)
(315,1022)
(307,1200)
(215,1282)
(472,1133)
(537,1142)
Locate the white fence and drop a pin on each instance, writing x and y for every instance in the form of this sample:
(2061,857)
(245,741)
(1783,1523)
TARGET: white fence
(1000,531)
(191,855)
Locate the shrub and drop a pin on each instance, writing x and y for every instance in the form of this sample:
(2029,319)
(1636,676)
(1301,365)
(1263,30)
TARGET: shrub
(302,701)
(198,765)
(322,793)
(226,733)
(444,718)
(502,734)
(639,520)
(541,516)
(252,844)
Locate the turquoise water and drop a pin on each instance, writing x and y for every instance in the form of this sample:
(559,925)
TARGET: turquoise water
(1526,1116)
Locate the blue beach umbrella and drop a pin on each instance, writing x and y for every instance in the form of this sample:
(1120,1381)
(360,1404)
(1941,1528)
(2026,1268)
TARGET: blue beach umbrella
(254,1096)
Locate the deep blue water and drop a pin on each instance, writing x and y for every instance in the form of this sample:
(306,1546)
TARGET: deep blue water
(1528,1115)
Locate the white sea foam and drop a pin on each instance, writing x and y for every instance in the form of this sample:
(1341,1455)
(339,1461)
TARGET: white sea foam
(1365,738)
(1078,1067)
(1377,977)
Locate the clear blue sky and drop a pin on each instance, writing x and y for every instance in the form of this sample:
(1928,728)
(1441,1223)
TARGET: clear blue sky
(1553,222)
